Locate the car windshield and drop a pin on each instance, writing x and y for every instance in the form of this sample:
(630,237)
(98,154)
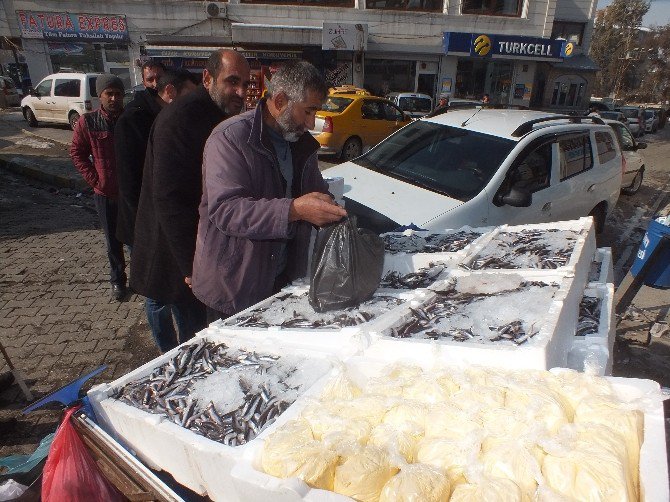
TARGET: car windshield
(648,115)
(448,160)
(630,113)
(414,104)
(336,104)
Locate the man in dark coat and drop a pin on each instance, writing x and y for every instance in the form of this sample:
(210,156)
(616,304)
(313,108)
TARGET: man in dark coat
(92,153)
(167,216)
(131,136)
(130,140)
(262,193)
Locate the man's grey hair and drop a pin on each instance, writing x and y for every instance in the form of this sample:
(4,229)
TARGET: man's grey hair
(294,79)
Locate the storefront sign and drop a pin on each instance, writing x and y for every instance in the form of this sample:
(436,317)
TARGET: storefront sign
(67,27)
(344,37)
(503,46)
(186,52)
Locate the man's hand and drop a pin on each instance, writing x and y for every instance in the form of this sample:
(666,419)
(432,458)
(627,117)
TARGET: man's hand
(187,280)
(316,208)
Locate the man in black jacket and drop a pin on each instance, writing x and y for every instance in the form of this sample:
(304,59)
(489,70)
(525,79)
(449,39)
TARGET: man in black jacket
(167,216)
(130,144)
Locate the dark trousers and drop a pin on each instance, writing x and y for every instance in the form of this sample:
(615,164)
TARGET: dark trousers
(189,317)
(106,209)
(215,315)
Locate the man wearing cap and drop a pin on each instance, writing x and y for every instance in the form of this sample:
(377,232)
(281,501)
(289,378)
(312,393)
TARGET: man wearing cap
(93,138)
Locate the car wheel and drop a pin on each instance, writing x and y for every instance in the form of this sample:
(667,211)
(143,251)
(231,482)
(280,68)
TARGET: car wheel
(636,183)
(30,118)
(352,148)
(74,118)
(598,215)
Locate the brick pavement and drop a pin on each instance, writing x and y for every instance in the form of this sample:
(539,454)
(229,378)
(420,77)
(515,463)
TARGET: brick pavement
(57,319)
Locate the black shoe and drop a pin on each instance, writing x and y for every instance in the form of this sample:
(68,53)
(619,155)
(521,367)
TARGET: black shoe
(118,292)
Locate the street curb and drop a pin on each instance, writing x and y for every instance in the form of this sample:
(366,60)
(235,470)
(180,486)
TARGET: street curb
(33,171)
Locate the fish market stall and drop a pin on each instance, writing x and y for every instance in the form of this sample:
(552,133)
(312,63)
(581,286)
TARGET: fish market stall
(453,380)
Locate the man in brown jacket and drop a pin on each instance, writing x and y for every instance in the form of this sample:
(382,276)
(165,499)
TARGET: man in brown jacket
(94,138)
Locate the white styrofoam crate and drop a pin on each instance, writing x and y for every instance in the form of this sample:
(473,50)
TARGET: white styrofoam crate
(595,352)
(339,341)
(254,485)
(602,262)
(405,262)
(579,263)
(201,464)
(547,349)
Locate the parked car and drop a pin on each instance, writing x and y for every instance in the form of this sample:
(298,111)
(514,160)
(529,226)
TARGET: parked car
(662,116)
(601,106)
(414,104)
(635,117)
(633,170)
(487,168)
(651,121)
(613,116)
(60,98)
(9,93)
(348,123)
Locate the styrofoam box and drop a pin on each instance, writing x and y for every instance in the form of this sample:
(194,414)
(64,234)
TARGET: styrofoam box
(254,485)
(578,264)
(405,263)
(342,342)
(547,349)
(595,352)
(199,463)
(602,260)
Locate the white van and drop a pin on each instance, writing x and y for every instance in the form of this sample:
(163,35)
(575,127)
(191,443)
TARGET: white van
(60,98)
(414,104)
(485,167)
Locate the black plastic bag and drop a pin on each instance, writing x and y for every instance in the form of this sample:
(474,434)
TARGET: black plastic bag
(347,266)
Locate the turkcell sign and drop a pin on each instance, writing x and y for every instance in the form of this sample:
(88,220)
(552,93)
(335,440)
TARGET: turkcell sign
(485,45)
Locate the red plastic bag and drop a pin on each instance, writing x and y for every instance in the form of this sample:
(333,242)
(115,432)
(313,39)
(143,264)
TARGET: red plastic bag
(71,474)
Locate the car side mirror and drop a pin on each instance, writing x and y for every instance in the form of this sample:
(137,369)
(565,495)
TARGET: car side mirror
(517,197)
(641,145)
(33,92)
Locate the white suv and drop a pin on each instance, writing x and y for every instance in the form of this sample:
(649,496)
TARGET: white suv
(484,167)
(60,98)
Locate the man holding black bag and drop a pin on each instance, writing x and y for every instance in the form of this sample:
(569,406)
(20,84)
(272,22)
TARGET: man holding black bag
(262,191)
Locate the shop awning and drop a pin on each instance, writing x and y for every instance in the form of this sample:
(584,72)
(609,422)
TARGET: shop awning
(580,62)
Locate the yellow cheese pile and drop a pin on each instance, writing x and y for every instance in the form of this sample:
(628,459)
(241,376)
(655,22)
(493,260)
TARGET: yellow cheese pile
(464,435)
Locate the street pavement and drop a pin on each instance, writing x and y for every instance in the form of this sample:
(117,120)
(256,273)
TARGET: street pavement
(58,321)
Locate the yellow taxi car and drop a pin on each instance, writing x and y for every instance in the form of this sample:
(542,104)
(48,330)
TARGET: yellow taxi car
(352,119)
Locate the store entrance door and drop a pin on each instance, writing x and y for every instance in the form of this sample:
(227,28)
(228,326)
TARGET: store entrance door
(500,84)
(425,83)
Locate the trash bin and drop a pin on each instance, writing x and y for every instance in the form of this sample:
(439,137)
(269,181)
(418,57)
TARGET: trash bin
(659,274)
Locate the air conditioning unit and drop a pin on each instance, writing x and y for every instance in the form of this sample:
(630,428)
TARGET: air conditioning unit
(215,9)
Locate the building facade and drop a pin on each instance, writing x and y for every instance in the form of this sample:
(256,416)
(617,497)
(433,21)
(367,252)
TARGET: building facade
(536,53)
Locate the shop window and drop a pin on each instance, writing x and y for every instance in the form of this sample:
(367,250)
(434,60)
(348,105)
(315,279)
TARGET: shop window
(605,147)
(575,155)
(570,32)
(388,75)
(309,3)
(418,5)
(568,91)
(69,88)
(492,7)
